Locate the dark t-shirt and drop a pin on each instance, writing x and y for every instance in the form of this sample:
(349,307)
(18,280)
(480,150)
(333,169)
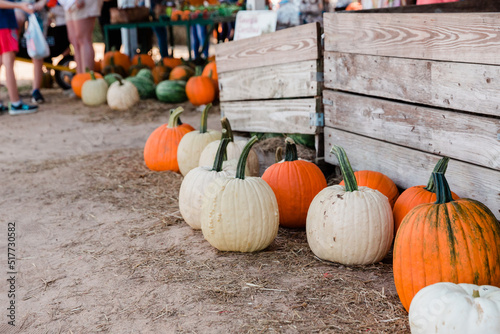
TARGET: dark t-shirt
(7,19)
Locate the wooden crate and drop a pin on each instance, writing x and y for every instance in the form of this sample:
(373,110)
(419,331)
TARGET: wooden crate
(404,89)
(273,83)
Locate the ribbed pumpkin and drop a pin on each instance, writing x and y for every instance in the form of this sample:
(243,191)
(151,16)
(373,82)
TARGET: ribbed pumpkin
(193,143)
(134,69)
(199,89)
(120,59)
(181,72)
(160,72)
(295,184)
(113,68)
(377,181)
(455,241)
(122,94)
(351,224)
(196,183)
(416,195)
(143,59)
(240,214)
(172,62)
(78,80)
(94,91)
(210,70)
(160,151)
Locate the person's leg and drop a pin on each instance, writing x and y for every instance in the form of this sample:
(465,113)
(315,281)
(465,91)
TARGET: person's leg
(71,27)
(10,77)
(161,36)
(84,29)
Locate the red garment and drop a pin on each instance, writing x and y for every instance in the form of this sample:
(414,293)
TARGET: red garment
(51,3)
(8,40)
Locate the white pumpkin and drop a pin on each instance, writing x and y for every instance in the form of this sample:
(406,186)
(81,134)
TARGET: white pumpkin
(234,149)
(195,184)
(193,143)
(349,224)
(94,91)
(448,308)
(122,95)
(240,214)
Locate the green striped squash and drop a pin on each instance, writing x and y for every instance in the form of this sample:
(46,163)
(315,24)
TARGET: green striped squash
(171,91)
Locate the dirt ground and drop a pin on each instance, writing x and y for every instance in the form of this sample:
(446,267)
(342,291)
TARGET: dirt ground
(101,245)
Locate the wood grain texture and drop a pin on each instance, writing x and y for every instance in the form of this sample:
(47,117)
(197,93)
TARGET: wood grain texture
(465,6)
(408,167)
(470,87)
(458,37)
(281,116)
(460,136)
(297,79)
(280,47)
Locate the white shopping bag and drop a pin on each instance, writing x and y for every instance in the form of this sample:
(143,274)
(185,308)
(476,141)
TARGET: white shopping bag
(35,40)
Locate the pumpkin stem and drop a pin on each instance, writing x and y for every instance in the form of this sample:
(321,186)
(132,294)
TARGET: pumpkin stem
(290,150)
(278,156)
(440,167)
(92,75)
(226,125)
(475,294)
(443,193)
(197,71)
(204,118)
(174,117)
(120,80)
(219,157)
(112,61)
(242,162)
(345,166)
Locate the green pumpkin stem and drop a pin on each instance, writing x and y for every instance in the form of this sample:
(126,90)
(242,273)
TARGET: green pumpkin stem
(475,294)
(92,75)
(221,153)
(345,166)
(197,71)
(226,125)
(173,120)
(278,156)
(240,169)
(443,192)
(290,150)
(112,61)
(440,167)
(204,118)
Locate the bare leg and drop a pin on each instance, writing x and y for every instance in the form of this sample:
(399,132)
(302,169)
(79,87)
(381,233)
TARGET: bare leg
(8,60)
(38,73)
(71,27)
(84,36)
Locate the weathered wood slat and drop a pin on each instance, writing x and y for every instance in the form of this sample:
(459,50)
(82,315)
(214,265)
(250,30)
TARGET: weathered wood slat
(298,79)
(281,47)
(459,37)
(281,116)
(409,167)
(460,136)
(469,87)
(465,6)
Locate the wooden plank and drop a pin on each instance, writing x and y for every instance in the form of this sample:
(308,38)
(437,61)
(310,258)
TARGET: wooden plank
(460,136)
(470,87)
(281,116)
(466,6)
(458,37)
(408,167)
(299,79)
(280,47)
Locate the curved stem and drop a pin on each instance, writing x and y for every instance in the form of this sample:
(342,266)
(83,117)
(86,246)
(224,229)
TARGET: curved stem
(345,166)
(475,294)
(204,118)
(240,169)
(226,125)
(174,117)
(440,167)
(92,75)
(219,157)
(443,192)
(290,150)
(278,156)
(197,71)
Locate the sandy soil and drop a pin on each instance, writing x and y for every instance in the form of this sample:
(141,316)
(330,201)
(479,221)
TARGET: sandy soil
(101,245)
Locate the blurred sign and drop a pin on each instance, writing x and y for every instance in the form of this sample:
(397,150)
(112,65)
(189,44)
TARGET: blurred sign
(251,23)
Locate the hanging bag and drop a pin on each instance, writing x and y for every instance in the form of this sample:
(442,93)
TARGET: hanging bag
(35,40)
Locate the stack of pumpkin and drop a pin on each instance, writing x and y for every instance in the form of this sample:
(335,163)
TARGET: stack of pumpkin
(171,80)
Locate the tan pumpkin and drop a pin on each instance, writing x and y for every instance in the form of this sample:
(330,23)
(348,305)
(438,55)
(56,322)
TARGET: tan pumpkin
(122,95)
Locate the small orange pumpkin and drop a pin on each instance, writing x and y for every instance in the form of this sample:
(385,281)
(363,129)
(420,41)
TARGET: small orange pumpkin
(119,58)
(78,80)
(181,72)
(97,66)
(199,89)
(172,62)
(160,151)
(160,72)
(145,59)
(210,70)
(378,181)
(295,184)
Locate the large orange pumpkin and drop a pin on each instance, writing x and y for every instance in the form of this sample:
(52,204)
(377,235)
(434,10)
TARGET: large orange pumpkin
(416,195)
(120,59)
(78,80)
(160,151)
(450,240)
(199,89)
(377,181)
(181,72)
(295,184)
(145,60)
(210,70)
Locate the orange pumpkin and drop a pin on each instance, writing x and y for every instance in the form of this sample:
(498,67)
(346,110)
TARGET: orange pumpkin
(160,72)
(176,15)
(181,72)
(172,62)
(160,151)
(199,89)
(185,16)
(378,181)
(120,59)
(447,241)
(295,184)
(354,6)
(416,195)
(78,80)
(210,70)
(97,66)
(145,59)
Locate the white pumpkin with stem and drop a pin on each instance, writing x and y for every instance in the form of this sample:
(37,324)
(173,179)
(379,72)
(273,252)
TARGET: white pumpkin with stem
(234,149)
(194,185)
(94,91)
(122,95)
(349,224)
(193,143)
(240,214)
(448,308)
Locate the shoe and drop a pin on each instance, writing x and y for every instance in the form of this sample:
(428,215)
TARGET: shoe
(37,97)
(23,108)
(3,108)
